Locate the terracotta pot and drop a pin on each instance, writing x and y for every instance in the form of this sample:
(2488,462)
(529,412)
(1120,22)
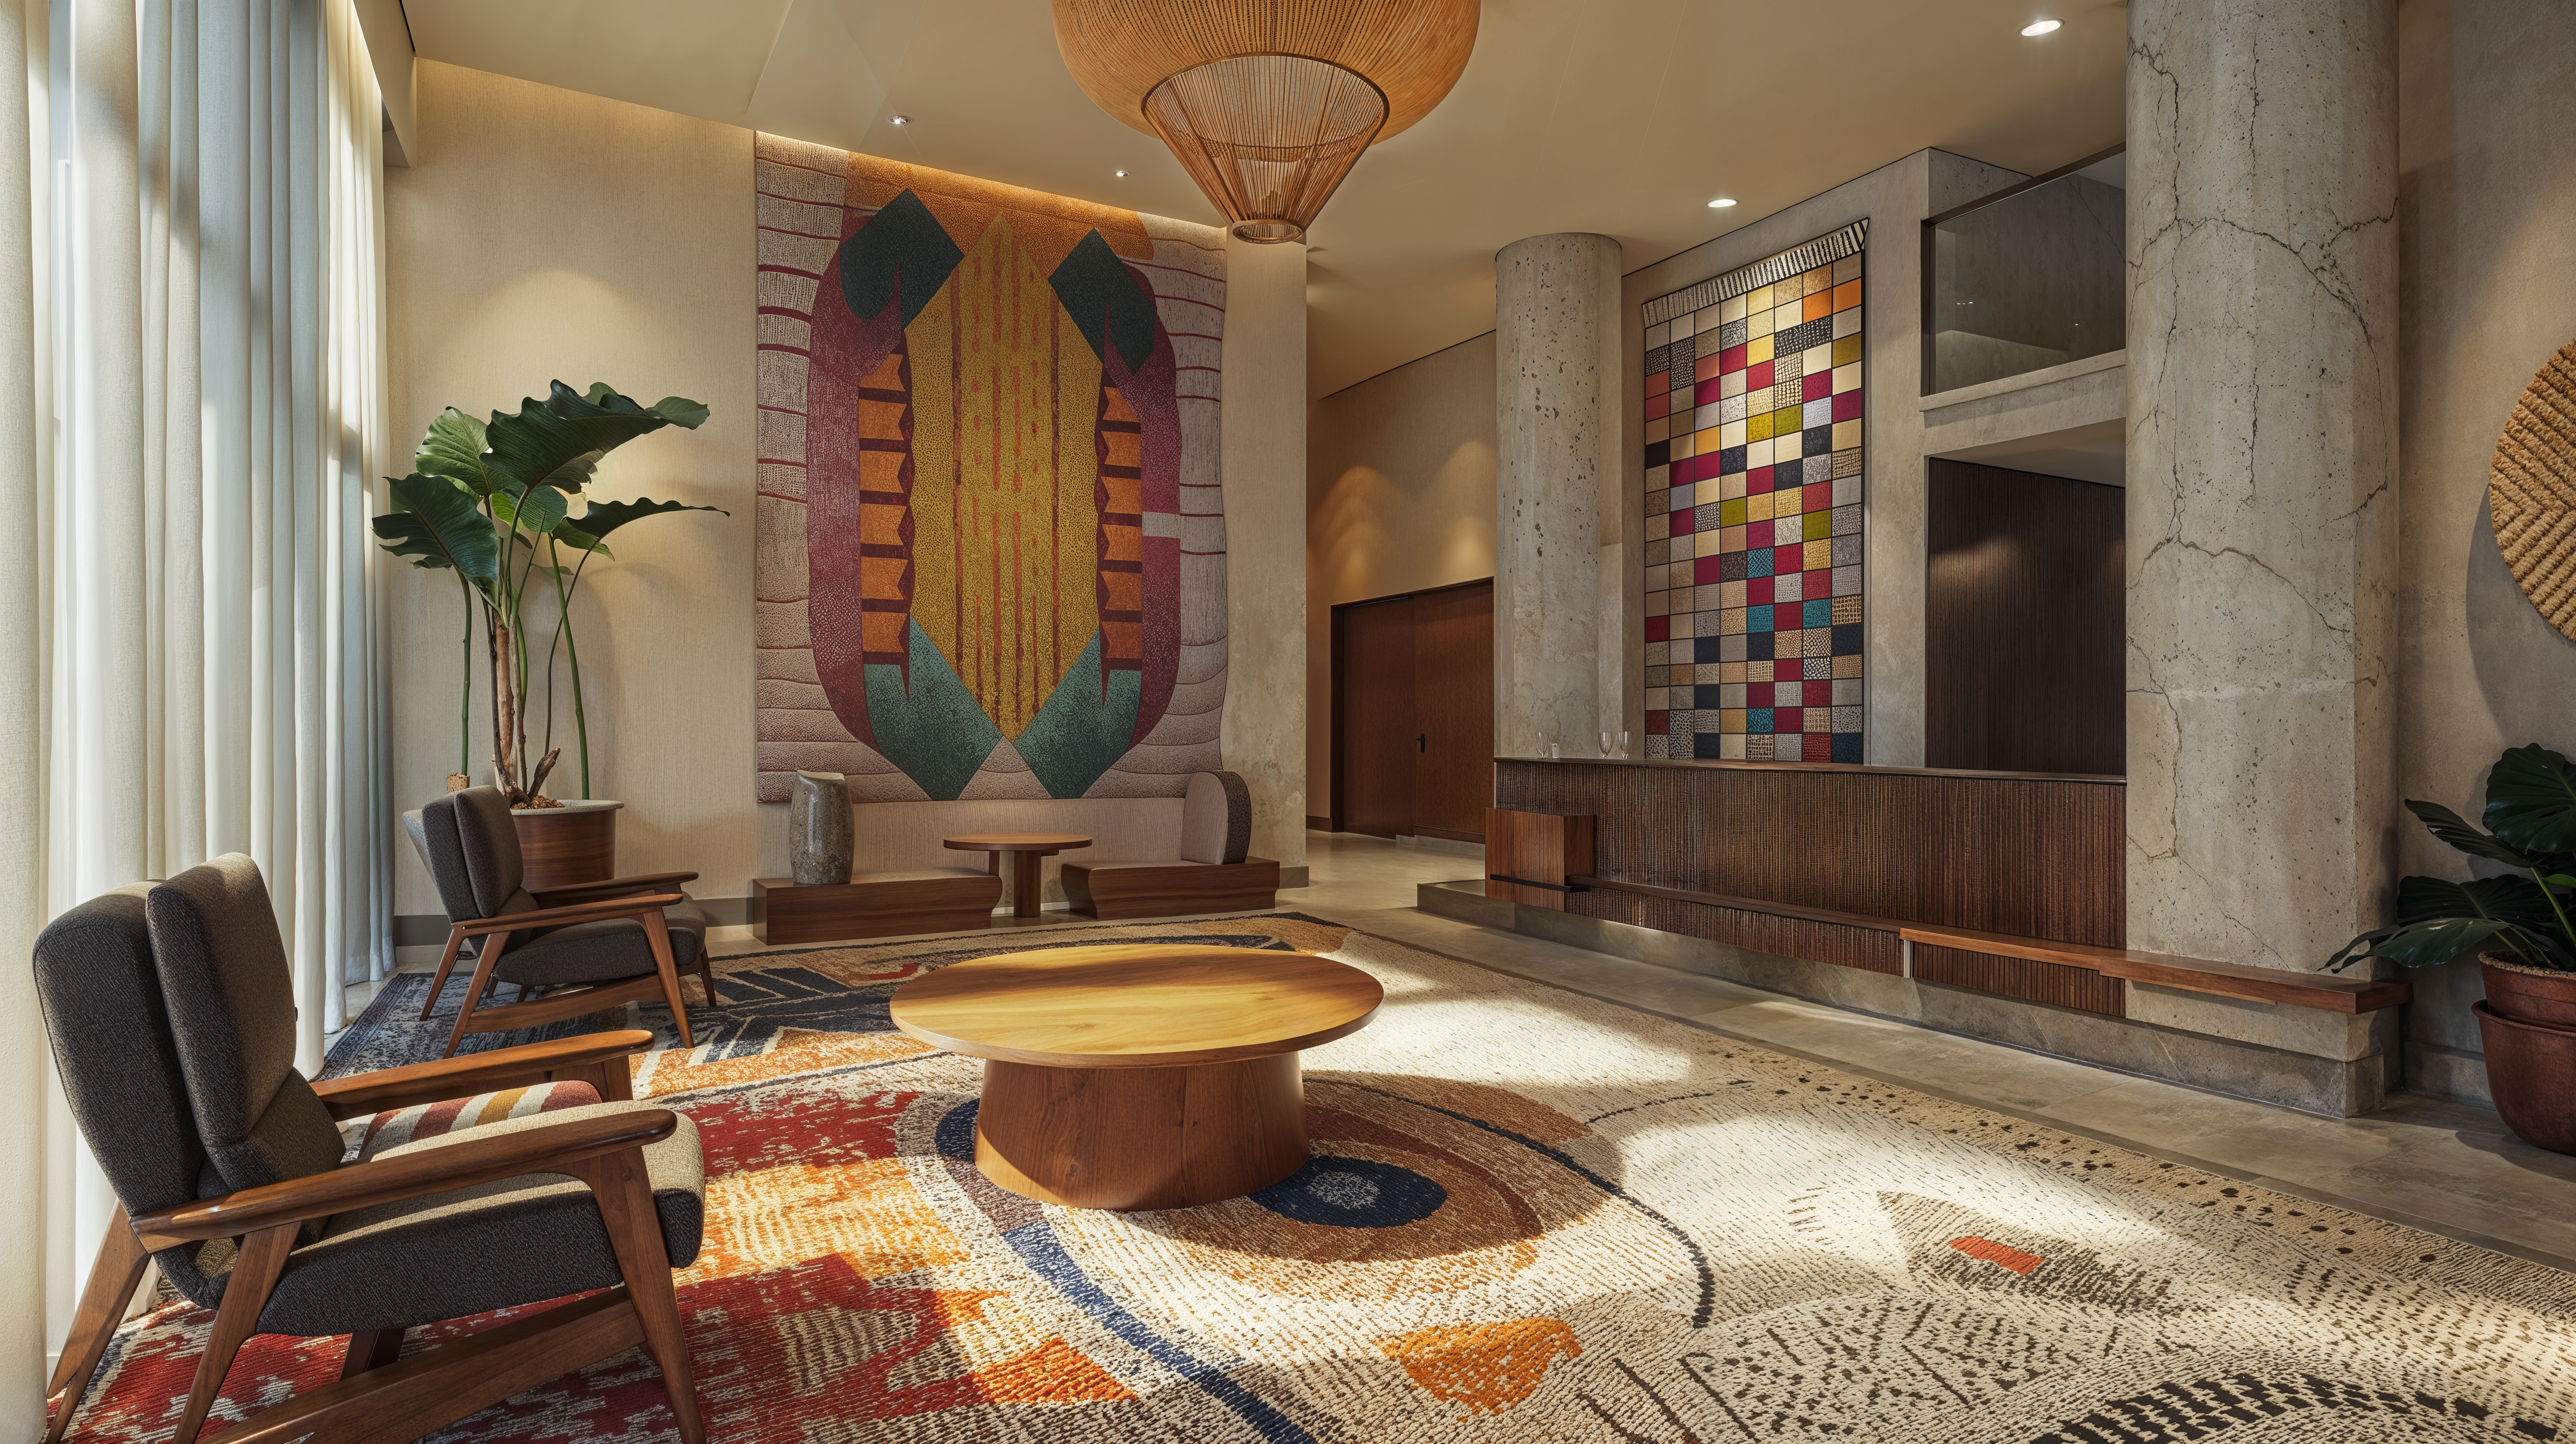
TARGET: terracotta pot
(2531,1073)
(2527,994)
(560,846)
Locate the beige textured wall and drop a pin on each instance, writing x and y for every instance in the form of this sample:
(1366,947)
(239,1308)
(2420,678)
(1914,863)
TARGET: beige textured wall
(542,234)
(2486,204)
(1399,496)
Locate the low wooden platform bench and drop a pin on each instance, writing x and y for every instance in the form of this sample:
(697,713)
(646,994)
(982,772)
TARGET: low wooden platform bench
(1208,871)
(874,905)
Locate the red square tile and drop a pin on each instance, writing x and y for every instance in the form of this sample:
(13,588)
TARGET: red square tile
(1705,393)
(1819,497)
(1788,557)
(1847,406)
(1731,359)
(1757,377)
(1757,481)
(1820,747)
(1819,693)
(1820,583)
(1757,694)
(1704,572)
(1757,591)
(1788,616)
(1658,404)
(1757,534)
(1658,723)
(1819,385)
(1681,523)
(1659,629)
(1788,719)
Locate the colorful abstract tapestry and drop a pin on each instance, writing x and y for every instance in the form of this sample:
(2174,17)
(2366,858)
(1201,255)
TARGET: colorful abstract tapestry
(992,542)
(1529,1216)
(1753,510)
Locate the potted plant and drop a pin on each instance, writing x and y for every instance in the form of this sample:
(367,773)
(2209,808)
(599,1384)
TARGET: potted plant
(2517,922)
(491,502)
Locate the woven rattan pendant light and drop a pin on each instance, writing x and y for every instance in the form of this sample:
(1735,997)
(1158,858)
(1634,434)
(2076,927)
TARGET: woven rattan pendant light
(1268,103)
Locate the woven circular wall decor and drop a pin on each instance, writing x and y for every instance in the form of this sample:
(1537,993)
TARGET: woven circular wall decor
(2531,490)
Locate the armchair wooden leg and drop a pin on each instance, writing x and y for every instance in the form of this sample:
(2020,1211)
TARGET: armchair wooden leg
(254,1277)
(112,1281)
(446,964)
(658,934)
(487,955)
(625,1196)
(371,1350)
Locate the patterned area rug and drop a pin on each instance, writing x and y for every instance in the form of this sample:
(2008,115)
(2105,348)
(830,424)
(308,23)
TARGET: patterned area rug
(1530,1216)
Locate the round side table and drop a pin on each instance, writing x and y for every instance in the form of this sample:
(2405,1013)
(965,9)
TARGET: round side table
(1140,1075)
(1026,849)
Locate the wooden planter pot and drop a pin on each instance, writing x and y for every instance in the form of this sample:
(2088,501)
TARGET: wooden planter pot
(560,846)
(2528,1026)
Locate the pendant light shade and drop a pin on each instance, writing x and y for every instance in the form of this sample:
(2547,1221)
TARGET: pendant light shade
(1267,103)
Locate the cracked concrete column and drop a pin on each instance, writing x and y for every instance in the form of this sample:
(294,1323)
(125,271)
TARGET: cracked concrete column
(1556,374)
(2262,470)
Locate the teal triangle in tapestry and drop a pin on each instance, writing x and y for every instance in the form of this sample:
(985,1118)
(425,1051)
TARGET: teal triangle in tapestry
(1084,726)
(1102,297)
(934,729)
(903,251)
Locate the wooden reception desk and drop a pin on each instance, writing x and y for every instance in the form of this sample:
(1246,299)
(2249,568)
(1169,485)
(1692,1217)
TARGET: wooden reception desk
(2006,882)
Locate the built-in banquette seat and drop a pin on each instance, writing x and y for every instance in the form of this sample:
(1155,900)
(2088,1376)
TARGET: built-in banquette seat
(1206,871)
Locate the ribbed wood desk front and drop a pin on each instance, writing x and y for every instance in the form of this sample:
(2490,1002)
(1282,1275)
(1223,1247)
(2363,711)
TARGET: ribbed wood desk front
(1138,1076)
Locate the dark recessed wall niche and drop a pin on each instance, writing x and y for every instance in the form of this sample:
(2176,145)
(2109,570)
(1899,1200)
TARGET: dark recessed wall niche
(2023,622)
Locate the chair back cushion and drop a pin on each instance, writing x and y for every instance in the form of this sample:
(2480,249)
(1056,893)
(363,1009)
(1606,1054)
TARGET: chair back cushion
(474,851)
(112,1049)
(231,999)
(1216,818)
(433,835)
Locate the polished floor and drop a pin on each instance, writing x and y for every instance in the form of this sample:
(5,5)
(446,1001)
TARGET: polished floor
(2445,1167)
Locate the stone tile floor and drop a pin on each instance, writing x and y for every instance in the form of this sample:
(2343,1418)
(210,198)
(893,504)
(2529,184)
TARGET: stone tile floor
(2449,1168)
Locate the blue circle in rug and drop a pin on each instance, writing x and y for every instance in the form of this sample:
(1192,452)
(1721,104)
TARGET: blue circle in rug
(1353,1193)
(955,1137)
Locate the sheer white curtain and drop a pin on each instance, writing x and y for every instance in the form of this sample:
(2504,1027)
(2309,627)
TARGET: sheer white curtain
(192,402)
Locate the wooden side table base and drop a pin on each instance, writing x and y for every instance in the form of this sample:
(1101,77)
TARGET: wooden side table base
(1131,1138)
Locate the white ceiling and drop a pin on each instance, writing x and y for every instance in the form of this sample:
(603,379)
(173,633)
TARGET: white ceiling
(1622,117)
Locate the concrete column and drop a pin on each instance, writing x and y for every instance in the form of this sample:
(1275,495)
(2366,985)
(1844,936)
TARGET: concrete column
(1263,736)
(2262,469)
(1556,375)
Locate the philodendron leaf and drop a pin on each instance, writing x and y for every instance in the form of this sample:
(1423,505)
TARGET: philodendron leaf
(2456,830)
(603,517)
(540,511)
(2509,899)
(437,525)
(2439,920)
(2531,800)
(558,442)
(454,449)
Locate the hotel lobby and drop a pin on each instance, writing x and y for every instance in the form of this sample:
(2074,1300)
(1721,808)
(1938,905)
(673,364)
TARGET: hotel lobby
(1911,782)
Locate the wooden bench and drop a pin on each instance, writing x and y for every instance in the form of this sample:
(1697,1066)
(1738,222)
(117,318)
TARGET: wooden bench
(874,905)
(2265,985)
(1208,870)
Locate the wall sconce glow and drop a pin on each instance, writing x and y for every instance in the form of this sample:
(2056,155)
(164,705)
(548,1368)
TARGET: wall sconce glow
(1721,203)
(899,120)
(2041,27)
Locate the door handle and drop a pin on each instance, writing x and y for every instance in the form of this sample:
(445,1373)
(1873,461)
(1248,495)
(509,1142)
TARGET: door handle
(1421,741)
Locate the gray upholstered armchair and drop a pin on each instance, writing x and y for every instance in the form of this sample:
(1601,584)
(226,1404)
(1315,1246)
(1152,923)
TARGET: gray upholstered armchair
(587,947)
(172,1016)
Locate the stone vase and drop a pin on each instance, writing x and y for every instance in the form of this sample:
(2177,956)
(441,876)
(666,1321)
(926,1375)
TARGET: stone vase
(818,829)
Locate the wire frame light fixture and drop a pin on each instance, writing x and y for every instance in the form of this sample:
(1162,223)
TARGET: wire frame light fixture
(1267,103)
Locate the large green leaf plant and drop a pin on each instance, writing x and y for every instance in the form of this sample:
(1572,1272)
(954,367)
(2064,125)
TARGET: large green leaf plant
(2521,915)
(491,501)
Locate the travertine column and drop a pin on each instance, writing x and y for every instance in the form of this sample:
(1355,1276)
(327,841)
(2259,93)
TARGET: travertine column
(1556,370)
(2262,473)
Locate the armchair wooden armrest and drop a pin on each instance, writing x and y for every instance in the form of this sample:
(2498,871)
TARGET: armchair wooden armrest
(614,907)
(613,887)
(435,1170)
(598,1059)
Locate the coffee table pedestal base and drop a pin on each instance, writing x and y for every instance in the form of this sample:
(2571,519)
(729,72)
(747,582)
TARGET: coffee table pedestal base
(1129,1138)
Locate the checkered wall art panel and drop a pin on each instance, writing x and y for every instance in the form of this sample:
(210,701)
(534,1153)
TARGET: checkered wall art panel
(1753,510)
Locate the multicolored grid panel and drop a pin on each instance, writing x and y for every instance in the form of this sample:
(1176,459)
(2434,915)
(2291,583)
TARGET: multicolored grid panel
(1753,512)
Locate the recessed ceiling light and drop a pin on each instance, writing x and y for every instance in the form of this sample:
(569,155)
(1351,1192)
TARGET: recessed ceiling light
(1122,175)
(901,120)
(2041,27)
(1721,203)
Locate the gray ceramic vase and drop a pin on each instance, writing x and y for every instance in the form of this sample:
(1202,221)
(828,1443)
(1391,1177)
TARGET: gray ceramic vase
(818,829)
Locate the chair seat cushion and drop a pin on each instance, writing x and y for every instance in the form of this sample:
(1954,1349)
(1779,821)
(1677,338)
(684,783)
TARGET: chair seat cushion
(512,1241)
(602,951)
(370,1136)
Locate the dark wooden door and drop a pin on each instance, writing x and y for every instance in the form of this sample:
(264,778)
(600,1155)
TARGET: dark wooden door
(1453,709)
(2024,622)
(1378,745)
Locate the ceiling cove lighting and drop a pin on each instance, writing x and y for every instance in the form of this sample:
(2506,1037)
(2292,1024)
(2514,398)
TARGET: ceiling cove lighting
(1267,103)
(2041,27)
(1721,203)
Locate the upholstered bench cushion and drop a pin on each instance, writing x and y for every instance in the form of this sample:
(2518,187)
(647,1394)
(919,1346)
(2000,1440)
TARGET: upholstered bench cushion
(370,1136)
(490,1246)
(916,874)
(599,952)
(1110,864)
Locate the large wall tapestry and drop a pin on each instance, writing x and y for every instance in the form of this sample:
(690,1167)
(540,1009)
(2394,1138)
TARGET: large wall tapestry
(1753,501)
(992,543)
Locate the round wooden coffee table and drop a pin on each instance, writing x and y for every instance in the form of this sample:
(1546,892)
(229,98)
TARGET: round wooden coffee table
(1026,849)
(1138,1076)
